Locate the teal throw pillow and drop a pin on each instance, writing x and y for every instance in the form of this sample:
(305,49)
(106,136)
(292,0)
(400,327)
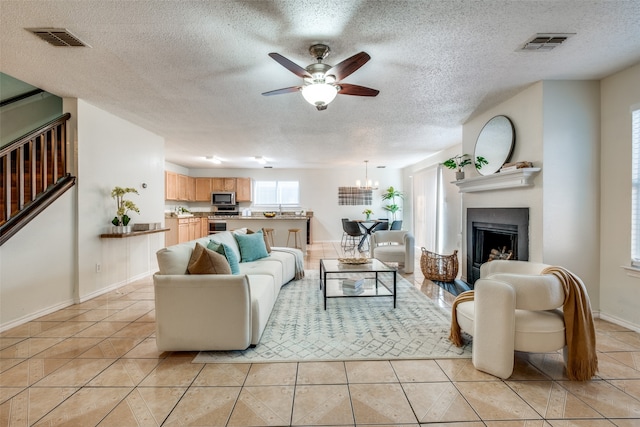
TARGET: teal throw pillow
(252,246)
(224,249)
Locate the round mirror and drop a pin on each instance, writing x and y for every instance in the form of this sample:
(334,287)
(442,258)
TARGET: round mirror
(495,143)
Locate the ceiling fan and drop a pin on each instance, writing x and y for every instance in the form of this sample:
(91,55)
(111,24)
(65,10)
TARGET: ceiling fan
(322,82)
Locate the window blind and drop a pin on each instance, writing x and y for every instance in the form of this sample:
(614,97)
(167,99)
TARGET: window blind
(635,186)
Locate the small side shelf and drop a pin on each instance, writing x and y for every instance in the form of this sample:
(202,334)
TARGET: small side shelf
(498,181)
(132,234)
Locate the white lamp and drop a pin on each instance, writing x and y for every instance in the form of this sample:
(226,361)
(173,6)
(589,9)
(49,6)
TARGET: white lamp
(319,94)
(368,184)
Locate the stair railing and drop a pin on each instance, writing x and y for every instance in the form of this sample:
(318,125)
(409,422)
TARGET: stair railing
(33,173)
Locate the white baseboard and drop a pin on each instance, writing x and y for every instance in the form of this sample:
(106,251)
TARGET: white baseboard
(64,304)
(619,322)
(34,316)
(113,287)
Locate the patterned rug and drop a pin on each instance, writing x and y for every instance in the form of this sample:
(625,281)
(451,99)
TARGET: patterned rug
(299,329)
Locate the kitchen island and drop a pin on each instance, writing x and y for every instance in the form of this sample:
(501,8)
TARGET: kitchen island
(280,224)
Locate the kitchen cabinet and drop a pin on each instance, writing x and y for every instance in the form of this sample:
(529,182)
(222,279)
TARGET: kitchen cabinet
(170,185)
(243,189)
(183,230)
(194,228)
(204,226)
(203,189)
(191,189)
(223,184)
(171,236)
(184,188)
(183,184)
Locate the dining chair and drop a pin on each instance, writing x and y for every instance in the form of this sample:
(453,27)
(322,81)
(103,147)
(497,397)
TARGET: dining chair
(382,225)
(396,225)
(354,234)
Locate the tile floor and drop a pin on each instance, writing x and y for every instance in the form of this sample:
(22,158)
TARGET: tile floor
(96,364)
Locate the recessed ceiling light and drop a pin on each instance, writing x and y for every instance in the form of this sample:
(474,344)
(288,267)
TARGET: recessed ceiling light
(214,159)
(261,160)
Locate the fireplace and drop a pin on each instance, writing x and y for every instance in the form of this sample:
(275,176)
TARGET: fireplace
(495,233)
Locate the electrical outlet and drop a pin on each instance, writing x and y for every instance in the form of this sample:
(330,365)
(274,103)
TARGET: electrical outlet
(98,267)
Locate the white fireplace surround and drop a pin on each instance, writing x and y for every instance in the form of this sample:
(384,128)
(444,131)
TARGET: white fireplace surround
(498,181)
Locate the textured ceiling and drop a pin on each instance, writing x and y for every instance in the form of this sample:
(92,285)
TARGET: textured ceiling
(193,71)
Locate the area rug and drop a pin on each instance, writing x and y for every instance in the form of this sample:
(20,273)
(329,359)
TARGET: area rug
(365,328)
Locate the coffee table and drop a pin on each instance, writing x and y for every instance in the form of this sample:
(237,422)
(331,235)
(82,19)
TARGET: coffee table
(333,272)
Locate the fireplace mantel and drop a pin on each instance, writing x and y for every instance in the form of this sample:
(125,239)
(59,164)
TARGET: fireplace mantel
(498,181)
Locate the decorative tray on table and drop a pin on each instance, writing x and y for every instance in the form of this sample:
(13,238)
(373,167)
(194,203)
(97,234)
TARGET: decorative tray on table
(354,260)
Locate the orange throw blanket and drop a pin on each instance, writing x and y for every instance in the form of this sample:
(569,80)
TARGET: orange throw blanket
(582,359)
(455,336)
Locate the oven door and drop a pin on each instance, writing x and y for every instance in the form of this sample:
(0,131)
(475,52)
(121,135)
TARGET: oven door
(216,226)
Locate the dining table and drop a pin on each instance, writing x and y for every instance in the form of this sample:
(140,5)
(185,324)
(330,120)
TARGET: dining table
(367,225)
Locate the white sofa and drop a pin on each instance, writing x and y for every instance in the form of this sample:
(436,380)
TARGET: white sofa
(216,311)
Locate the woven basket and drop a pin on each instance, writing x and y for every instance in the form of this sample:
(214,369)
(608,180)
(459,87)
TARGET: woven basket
(441,268)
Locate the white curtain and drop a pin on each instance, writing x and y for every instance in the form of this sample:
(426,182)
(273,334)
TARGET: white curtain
(427,196)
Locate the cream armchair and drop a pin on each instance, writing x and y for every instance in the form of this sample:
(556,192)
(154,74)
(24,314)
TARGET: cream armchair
(516,306)
(393,246)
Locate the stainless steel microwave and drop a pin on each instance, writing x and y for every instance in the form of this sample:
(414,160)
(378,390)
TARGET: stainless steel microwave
(223,198)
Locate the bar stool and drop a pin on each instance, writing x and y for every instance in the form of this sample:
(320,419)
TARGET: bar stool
(269,232)
(296,237)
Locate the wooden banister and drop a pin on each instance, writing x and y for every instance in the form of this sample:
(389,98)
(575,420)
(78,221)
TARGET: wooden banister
(32,174)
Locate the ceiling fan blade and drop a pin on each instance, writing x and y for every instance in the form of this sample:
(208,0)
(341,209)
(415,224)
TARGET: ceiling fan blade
(284,90)
(349,89)
(348,66)
(290,65)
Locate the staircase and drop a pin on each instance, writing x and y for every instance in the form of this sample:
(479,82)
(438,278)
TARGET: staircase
(33,174)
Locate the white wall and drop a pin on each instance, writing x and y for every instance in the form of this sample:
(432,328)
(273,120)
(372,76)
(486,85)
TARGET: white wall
(113,152)
(51,262)
(37,265)
(619,291)
(525,111)
(556,126)
(571,171)
(319,192)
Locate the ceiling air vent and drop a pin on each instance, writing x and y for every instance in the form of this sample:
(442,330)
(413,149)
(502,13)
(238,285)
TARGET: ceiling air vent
(60,37)
(546,41)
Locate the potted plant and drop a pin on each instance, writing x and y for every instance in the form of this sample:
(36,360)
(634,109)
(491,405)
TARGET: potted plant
(121,220)
(368,213)
(391,194)
(460,161)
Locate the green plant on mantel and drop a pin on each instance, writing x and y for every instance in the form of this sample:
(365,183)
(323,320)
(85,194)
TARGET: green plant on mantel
(124,206)
(391,194)
(462,160)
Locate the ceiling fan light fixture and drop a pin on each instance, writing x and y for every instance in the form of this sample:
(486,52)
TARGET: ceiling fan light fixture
(319,94)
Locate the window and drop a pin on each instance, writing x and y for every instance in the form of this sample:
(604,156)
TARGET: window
(635,186)
(285,193)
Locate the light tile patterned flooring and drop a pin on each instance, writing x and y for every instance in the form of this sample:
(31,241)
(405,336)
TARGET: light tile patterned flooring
(96,364)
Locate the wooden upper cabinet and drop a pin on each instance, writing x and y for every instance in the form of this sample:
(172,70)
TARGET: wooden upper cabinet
(223,184)
(183,187)
(191,189)
(203,189)
(243,189)
(170,185)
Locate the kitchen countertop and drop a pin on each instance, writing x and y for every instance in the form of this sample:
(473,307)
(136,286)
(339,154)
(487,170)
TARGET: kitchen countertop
(240,217)
(262,217)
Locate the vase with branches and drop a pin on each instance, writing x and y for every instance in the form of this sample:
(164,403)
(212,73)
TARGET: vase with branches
(124,206)
(391,194)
